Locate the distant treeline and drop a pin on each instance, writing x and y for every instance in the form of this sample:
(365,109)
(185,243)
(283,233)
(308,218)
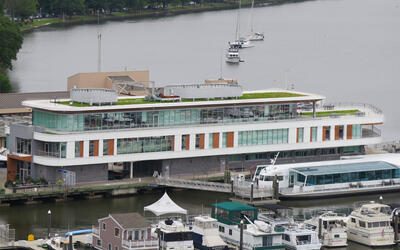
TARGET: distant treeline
(50,8)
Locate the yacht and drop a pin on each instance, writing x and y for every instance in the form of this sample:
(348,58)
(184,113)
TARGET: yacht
(331,228)
(174,235)
(370,225)
(241,43)
(256,36)
(363,174)
(294,235)
(256,234)
(206,235)
(232,56)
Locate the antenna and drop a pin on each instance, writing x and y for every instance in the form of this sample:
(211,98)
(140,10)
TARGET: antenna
(220,66)
(98,42)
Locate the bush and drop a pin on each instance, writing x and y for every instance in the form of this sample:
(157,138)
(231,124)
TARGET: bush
(5,85)
(2,191)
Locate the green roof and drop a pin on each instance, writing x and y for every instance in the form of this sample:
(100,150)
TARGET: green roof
(233,206)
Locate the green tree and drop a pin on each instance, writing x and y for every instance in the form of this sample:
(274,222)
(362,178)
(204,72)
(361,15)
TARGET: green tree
(5,85)
(25,8)
(10,43)
(69,7)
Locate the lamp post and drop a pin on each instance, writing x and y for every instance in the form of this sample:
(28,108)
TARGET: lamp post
(48,223)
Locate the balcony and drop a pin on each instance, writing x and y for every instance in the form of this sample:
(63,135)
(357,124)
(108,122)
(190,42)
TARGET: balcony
(140,244)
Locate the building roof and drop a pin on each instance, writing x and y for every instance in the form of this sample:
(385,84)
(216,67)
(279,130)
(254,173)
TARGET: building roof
(131,220)
(12,102)
(139,102)
(345,168)
(233,206)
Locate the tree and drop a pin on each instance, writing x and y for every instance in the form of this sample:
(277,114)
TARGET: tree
(25,8)
(69,7)
(10,42)
(5,85)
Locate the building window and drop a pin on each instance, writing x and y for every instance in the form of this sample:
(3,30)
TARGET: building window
(99,243)
(23,146)
(109,246)
(356,131)
(224,139)
(210,140)
(221,229)
(116,248)
(142,235)
(78,149)
(116,232)
(92,148)
(104,226)
(313,134)
(145,144)
(326,133)
(339,131)
(185,142)
(230,231)
(136,235)
(105,147)
(300,135)
(199,141)
(263,137)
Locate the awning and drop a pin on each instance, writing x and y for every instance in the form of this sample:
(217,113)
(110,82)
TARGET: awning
(165,206)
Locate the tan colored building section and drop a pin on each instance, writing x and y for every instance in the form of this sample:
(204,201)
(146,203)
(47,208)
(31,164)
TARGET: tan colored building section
(102,80)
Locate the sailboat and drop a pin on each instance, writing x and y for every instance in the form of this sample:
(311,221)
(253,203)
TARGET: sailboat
(254,36)
(239,42)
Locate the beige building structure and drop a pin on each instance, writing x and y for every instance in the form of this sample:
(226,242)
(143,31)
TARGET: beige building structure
(125,82)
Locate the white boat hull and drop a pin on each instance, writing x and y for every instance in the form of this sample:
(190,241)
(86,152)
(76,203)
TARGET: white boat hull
(385,238)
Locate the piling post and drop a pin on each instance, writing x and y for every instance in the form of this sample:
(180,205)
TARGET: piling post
(231,186)
(241,235)
(70,242)
(396,225)
(251,192)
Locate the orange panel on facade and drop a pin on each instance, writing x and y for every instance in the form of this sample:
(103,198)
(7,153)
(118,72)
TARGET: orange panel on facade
(201,141)
(324,133)
(297,135)
(215,140)
(111,147)
(311,134)
(349,133)
(96,148)
(229,139)
(81,149)
(187,142)
(337,132)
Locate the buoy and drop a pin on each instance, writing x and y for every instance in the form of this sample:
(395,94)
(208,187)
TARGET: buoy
(31,237)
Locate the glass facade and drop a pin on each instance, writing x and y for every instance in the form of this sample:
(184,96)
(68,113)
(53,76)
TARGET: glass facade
(210,140)
(54,149)
(224,139)
(163,118)
(78,148)
(105,147)
(263,137)
(356,131)
(349,177)
(300,135)
(24,146)
(146,144)
(185,142)
(313,135)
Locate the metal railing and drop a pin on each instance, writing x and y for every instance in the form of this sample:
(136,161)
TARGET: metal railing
(367,106)
(140,243)
(193,184)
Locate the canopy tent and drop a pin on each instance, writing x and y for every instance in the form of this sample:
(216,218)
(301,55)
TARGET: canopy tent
(165,206)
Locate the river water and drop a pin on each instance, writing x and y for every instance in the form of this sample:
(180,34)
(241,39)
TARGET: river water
(347,50)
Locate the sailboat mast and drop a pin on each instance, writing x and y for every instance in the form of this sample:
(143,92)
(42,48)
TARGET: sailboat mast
(238,21)
(251,17)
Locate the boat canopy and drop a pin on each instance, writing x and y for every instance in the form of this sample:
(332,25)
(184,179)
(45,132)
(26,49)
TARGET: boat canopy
(165,206)
(232,212)
(344,173)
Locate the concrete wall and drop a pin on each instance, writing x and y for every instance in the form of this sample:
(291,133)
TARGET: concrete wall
(21,131)
(86,173)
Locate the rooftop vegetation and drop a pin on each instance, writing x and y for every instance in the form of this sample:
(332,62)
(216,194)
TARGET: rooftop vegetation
(330,112)
(129,101)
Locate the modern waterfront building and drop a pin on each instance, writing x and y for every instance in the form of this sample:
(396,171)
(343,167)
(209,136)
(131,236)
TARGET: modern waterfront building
(185,129)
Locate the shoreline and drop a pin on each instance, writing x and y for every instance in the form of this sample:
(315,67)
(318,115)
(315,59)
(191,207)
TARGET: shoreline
(152,14)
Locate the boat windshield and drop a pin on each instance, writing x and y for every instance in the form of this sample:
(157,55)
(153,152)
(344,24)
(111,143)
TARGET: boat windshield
(303,239)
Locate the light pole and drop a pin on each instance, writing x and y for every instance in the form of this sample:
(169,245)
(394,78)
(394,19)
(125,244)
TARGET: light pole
(48,223)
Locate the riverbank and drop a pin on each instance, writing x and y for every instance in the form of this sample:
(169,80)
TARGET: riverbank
(170,11)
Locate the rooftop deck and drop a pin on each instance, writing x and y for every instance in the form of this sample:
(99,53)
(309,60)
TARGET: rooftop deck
(139,102)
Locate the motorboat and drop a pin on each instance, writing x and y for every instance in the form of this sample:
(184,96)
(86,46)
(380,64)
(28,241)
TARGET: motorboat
(174,235)
(233,216)
(232,56)
(366,174)
(241,43)
(331,228)
(294,235)
(256,36)
(206,235)
(370,225)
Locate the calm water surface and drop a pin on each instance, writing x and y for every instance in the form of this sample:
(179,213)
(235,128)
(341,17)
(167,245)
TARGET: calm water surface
(348,50)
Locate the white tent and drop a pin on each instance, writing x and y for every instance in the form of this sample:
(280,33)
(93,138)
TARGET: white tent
(165,206)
